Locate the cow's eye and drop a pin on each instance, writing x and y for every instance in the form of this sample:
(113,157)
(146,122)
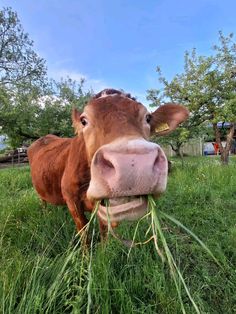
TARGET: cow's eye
(83,121)
(148,118)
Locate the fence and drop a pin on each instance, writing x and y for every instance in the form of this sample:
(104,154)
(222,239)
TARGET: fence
(193,147)
(15,157)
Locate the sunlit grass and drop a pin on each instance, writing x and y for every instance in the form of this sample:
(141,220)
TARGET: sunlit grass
(175,271)
(44,268)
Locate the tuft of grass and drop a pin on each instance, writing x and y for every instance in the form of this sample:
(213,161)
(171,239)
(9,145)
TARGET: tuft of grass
(174,269)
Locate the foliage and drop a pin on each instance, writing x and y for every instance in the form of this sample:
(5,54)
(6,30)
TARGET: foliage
(181,135)
(43,269)
(207,87)
(27,115)
(19,63)
(55,116)
(191,128)
(30,105)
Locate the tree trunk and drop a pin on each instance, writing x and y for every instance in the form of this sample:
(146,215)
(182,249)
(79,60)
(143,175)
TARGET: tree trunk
(224,151)
(224,157)
(177,149)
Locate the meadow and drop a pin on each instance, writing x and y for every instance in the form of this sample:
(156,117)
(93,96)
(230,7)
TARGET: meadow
(44,270)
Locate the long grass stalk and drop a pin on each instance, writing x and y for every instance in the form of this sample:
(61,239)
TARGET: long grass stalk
(174,270)
(129,243)
(88,310)
(82,235)
(203,245)
(108,216)
(135,233)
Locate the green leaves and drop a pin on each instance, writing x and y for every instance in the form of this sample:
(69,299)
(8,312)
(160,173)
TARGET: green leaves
(27,115)
(30,105)
(19,63)
(207,87)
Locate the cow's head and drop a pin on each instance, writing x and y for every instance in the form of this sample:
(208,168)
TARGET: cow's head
(125,166)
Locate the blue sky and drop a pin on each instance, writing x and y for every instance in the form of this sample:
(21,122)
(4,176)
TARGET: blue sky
(119,43)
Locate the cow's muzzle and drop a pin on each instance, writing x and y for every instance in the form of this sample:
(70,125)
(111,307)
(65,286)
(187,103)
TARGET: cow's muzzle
(124,169)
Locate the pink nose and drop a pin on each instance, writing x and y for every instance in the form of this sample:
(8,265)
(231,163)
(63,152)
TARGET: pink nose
(136,167)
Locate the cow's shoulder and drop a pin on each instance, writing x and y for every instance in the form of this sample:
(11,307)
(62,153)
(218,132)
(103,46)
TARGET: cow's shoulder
(49,145)
(47,139)
(76,176)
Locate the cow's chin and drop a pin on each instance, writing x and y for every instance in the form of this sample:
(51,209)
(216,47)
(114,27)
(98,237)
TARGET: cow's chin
(122,208)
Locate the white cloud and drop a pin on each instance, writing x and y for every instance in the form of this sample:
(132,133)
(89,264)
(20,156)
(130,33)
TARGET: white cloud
(90,83)
(95,84)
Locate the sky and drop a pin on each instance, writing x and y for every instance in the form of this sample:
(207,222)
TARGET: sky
(119,43)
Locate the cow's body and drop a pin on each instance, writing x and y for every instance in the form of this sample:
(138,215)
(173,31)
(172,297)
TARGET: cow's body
(110,158)
(54,161)
(51,152)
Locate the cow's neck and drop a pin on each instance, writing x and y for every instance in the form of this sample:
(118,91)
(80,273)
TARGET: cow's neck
(78,164)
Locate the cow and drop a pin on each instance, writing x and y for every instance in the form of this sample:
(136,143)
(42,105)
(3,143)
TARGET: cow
(110,158)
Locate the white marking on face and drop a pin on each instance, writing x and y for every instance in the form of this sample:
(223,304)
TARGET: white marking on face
(140,142)
(106,94)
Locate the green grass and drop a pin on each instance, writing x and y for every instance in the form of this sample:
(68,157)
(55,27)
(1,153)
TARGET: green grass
(44,270)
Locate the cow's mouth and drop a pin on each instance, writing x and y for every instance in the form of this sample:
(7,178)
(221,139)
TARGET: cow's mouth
(122,208)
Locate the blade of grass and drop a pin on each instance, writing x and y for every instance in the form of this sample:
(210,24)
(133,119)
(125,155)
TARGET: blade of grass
(158,230)
(128,243)
(135,233)
(155,241)
(108,215)
(88,310)
(56,285)
(172,264)
(179,224)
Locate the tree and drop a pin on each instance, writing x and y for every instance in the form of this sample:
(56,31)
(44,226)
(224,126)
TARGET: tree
(22,76)
(180,136)
(208,88)
(191,128)
(30,105)
(26,116)
(19,63)
(56,107)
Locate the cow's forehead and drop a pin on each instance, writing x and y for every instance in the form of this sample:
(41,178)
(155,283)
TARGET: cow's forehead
(111,92)
(109,104)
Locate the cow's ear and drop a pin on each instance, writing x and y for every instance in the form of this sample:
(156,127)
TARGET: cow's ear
(167,118)
(75,118)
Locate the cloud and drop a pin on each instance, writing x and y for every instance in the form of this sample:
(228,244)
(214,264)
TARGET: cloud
(95,84)
(90,83)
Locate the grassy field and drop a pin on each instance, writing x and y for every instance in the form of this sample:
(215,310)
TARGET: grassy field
(43,269)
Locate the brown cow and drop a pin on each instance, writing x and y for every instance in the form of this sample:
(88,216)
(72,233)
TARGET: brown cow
(110,158)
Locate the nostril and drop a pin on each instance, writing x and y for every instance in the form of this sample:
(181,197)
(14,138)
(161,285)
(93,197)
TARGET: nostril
(160,161)
(156,162)
(106,163)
